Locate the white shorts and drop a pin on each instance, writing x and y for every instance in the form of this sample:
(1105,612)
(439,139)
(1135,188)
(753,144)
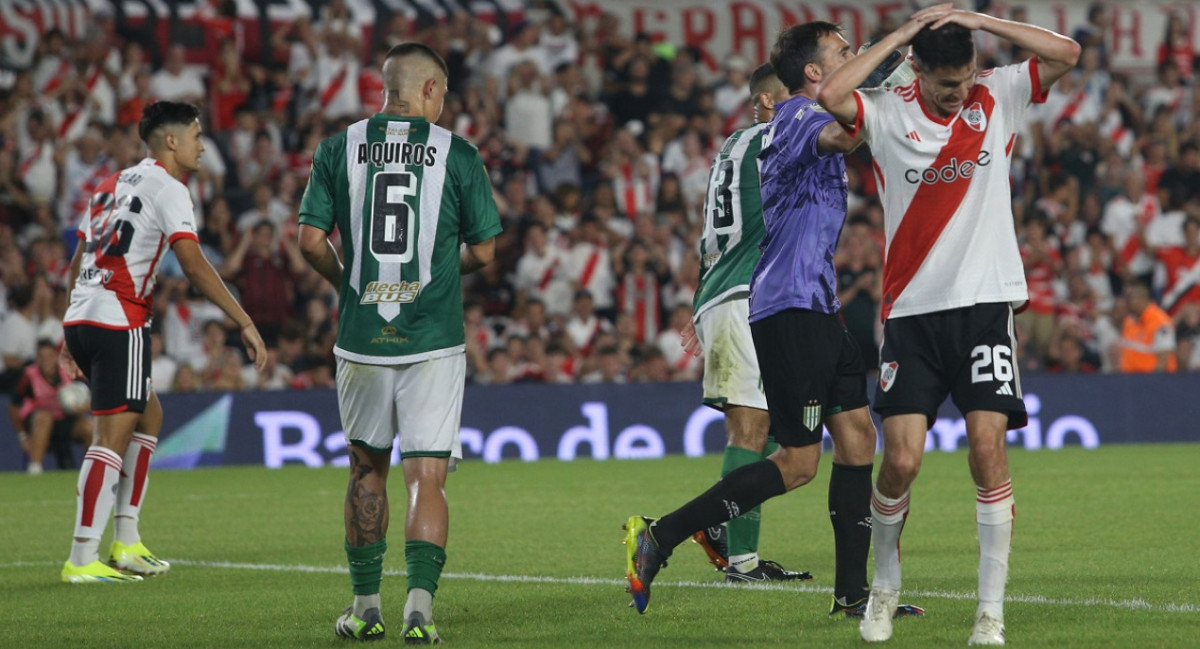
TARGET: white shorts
(421,402)
(731,375)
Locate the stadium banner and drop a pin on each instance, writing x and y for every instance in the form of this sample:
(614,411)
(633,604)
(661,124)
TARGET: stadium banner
(633,421)
(719,29)
(199,24)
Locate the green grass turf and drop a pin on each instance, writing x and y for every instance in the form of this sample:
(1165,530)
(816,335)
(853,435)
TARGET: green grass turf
(1105,536)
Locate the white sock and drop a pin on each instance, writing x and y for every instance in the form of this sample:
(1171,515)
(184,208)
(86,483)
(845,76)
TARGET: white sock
(419,601)
(362,603)
(994,513)
(131,490)
(744,563)
(887,522)
(96,491)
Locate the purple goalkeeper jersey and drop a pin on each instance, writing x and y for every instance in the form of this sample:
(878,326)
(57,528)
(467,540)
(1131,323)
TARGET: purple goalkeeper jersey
(804,205)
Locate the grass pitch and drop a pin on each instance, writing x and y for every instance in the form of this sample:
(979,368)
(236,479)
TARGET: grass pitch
(1104,555)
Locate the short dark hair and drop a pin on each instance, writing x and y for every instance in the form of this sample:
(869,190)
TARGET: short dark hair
(796,47)
(949,46)
(409,48)
(165,113)
(761,77)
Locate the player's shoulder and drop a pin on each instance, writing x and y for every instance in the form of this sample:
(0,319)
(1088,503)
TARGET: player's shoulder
(459,145)
(149,179)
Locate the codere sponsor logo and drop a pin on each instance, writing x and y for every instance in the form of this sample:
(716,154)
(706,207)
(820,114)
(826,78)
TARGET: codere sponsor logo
(386,292)
(950,172)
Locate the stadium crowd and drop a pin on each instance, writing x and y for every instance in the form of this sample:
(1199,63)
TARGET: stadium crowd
(598,143)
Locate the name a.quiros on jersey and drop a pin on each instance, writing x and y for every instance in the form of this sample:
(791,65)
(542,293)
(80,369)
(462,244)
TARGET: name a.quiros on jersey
(405,153)
(389,292)
(949,172)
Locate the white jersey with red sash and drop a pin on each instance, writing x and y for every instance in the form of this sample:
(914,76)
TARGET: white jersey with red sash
(134,216)
(944,184)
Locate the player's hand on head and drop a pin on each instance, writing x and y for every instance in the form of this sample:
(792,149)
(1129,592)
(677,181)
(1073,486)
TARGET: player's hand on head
(690,341)
(925,17)
(968,19)
(255,346)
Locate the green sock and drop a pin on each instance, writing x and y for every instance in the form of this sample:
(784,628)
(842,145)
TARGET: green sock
(425,561)
(743,530)
(770,448)
(366,566)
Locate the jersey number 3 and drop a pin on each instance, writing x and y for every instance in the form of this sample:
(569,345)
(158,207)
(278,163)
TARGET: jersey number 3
(392,218)
(722,208)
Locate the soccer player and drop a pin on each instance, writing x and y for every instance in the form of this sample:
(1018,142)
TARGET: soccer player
(733,229)
(403,192)
(132,218)
(812,371)
(952,272)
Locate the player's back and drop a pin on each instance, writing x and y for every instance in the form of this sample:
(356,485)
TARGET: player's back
(804,205)
(733,224)
(133,217)
(402,192)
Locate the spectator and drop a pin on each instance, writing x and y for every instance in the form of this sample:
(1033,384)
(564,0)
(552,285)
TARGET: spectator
(1126,219)
(583,325)
(176,81)
(1182,267)
(18,336)
(1177,46)
(591,266)
(1147,334)
(265,277)
(1042,264)
(1187,335)
(860,287)
(542,273)
(684,366)
(1180,183)
(639,292)
(609,368)
(162,367)
(43,423)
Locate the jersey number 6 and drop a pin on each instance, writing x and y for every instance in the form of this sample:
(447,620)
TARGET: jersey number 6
(392,218)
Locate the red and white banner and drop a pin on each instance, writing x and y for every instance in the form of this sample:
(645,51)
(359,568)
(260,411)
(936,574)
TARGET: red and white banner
(748,27)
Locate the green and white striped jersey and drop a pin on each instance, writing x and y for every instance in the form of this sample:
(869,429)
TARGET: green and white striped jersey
(403,193)
(733,221)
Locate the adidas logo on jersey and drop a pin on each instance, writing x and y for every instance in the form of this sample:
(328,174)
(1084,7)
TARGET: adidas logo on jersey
(390,292)
(950,172)
(1005,389)
(912,135)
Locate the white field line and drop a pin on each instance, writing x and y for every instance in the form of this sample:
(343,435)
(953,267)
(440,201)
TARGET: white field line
(1129,604)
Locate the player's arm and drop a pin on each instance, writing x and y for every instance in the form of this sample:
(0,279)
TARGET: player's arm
(318,251)
(834,139)
(65,360)
(204,277)
(1056,53)
(476,255)
(836,92)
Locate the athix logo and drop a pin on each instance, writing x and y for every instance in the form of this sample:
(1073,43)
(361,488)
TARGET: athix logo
(887,375)
(976,118)
(949,172)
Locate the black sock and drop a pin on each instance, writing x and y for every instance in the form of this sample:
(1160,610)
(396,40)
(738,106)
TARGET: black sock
(850,513)
(738,492)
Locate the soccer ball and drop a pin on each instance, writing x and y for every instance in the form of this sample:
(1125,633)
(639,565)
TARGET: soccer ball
(74,397)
